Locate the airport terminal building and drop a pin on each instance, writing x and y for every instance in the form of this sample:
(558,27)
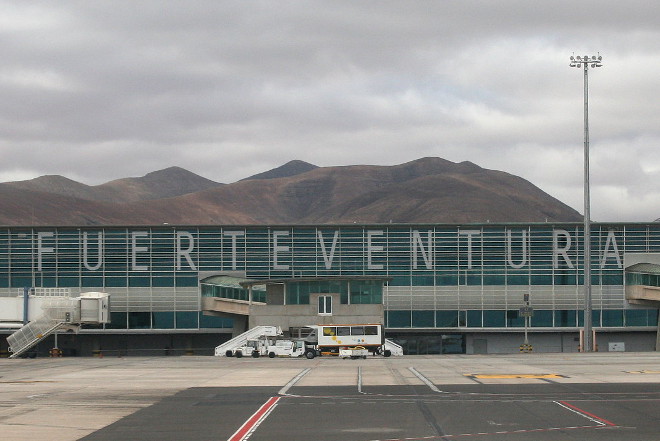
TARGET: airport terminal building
(438,288)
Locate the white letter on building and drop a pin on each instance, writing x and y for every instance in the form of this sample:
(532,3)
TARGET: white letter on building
(427,252)
(137,249)
(234,235)
(371,248)
(328,259)
(41,249)
(184,252)
(469,234)
(279,248)
(556,251)
(611,240)
(523,246)
(99,260)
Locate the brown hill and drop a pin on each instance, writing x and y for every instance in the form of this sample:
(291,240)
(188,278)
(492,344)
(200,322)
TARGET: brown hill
(425,190)
(170,182)
(291,168)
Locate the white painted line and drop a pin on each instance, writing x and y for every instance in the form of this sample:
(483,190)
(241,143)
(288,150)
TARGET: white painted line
(360,380)
(583,413)
(293,381)
(424,380)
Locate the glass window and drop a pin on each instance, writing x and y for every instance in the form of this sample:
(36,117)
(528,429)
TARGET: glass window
(371,330)
(398,319)
(423,319)
(187,320)
(163,320)
(453,344)
(186,281)
(211,321)
(474,319)
(117,320)
(357,330)
(343,330)
(612,317)
(513,319)
(446,319)
(494,319)
(325,305)
(329,331)
(139,320)
(541,318)
(565,318)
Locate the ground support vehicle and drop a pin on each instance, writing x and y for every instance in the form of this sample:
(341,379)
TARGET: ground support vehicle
(330,339)
(354,353)
(253,348)
(231,347)
(287,348)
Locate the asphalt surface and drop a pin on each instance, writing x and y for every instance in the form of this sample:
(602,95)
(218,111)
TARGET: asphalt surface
(519,397)
(484,412)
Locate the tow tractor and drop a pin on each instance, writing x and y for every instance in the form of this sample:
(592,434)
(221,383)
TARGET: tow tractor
(253,347)
(287,348)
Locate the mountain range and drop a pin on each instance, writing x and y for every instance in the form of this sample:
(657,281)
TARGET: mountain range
(427,190)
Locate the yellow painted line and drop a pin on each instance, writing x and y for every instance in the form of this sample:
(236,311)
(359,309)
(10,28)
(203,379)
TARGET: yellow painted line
(507,376)
(643,372)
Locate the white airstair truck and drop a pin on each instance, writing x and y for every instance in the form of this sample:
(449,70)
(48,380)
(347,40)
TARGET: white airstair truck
(249,343)
(60,312)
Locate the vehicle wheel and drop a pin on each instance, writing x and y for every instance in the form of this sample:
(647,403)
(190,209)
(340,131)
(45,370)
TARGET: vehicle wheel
(239,354)
(255,354)
(271,354)
(229,354)
(310,354)
(387,352)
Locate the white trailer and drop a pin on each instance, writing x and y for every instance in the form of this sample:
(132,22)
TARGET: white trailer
(354,353)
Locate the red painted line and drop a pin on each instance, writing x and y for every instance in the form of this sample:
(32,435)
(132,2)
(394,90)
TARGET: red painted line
(584,412)
(248,426)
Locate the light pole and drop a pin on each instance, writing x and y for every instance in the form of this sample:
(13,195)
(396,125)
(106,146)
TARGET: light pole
(585,62)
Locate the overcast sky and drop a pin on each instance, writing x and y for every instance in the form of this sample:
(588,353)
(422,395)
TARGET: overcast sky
(100,90)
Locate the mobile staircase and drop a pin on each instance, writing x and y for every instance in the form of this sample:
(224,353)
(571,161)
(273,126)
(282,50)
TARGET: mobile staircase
(60,312)
(394,348)
(253,334)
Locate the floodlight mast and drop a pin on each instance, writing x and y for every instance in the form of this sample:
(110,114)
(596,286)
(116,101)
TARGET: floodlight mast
(585,62)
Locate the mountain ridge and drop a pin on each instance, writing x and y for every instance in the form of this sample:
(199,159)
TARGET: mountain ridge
(425,190)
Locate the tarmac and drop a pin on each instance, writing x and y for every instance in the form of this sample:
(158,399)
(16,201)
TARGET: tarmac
(594,396)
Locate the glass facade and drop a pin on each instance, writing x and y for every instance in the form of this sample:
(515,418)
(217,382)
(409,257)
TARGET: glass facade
(442,276)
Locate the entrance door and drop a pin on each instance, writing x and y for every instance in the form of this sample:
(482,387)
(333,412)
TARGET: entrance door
(480,346)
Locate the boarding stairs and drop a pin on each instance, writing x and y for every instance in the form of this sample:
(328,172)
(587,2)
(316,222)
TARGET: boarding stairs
(252,334)
(60,312)
(394,348)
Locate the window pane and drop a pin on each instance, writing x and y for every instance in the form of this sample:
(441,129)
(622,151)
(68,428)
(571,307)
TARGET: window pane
(329,331)
(423,319)
(357,330)
(371,330)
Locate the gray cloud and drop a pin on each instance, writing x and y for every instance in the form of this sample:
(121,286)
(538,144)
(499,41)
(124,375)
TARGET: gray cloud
(101,90)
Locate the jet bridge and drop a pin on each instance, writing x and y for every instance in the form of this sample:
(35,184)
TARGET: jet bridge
(60,312)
